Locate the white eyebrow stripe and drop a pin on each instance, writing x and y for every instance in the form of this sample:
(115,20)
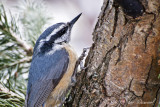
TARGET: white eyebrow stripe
(54,32)
(41,42)
(40,45)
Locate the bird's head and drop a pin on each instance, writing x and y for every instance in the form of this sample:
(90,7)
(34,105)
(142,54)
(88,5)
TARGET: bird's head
(56,34)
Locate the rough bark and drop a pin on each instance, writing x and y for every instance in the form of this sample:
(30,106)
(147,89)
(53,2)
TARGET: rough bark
(123,60)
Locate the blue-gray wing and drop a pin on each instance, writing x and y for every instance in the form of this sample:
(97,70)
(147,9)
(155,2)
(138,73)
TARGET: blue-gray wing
(45,73)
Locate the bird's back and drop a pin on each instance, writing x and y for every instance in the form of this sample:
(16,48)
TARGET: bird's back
(45,73)
(58,95)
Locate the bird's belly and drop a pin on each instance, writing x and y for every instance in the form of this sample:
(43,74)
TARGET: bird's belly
(58,95)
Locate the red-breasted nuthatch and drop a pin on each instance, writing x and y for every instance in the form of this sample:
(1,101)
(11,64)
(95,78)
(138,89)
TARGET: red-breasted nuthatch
(52,67)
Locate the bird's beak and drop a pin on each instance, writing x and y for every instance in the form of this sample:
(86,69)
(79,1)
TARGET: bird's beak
(72,22)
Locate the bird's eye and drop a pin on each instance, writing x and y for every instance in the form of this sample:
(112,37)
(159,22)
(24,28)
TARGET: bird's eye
(63,31)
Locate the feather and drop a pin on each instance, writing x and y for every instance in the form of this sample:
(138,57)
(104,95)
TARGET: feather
(45,73)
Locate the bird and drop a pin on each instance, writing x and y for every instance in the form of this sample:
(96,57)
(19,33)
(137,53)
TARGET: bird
(52,67)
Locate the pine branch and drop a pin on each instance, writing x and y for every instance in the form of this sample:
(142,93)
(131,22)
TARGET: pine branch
(17,48)
(28,48)
(8,98)
(24,60)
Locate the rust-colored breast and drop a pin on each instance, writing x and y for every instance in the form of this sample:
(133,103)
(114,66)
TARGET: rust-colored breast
(58,94)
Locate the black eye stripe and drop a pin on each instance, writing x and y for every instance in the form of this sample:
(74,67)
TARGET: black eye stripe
(58,34)
(62,31)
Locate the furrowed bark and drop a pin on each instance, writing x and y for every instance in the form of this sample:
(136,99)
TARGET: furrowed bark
(123,60)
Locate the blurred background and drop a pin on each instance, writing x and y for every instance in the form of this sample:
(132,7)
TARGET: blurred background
(64,11)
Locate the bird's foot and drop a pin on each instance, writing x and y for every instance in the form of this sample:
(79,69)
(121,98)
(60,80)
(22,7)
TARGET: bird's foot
(80,60)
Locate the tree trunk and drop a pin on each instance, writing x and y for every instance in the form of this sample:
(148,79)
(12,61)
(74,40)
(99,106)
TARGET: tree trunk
(123,60)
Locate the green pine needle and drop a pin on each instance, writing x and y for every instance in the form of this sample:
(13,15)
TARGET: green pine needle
(16,49)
